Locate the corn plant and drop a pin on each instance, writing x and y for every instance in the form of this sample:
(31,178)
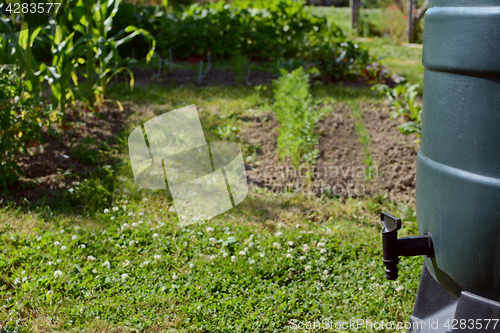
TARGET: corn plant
(66,53)
(95,19)
(15,49)
(294,111)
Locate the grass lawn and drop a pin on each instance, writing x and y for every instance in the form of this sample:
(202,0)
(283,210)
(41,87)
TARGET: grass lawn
(127,266)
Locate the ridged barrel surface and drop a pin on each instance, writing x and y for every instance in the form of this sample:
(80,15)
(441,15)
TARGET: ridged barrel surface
(458,169)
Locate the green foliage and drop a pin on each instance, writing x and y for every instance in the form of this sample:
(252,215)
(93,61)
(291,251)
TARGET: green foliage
(22,116)
(268,30)
(294,111)
(89,151)
(93,193)
(403,103)
(335,55)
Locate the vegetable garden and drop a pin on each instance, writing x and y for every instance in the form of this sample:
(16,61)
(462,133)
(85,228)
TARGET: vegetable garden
(328,134)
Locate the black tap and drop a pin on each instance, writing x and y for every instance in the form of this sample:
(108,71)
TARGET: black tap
(406,246)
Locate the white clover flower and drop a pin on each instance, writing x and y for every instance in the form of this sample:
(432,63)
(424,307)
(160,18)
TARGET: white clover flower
(58,261)
(326,272)
(289,256)
(225,254)
(125,202)
(289,250)
(155,235)
(400,289)
(115,209)
(306,248)
(157,257)
(280,225)
(91,258)
(212,240)
(17,281)
(321,245)
(191,265)
(74,237)
(242,253)
(171,209)
(124,207)
(262,254)
(200,233)
(322,258)
(141,221)
(125,226)
(63,248)
(82,246)
(314,243)
(251,244)
(277,245)
(373,278)
(278,234)
(145,263)
(24,279)
(131,243)
(297,226)
(124,276)
(106,264)
(135,225)
(126,263)
(141,213)
(329,231)
(302,258)
(38,247)
(57,274)
(307,268)
(210,229)
(290,243)
(251,261)
(323,251)
(56,243)
(49,263)
(94,271)
(245,249)
(130,214)
(106,211)
(112,218)
(49,292)
(233,258)
(174,286)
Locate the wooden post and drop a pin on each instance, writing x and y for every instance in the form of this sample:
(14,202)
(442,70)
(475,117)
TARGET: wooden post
(354,4)
(410,24)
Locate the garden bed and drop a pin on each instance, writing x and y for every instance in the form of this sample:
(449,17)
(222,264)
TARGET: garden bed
(48,170)
(340,169)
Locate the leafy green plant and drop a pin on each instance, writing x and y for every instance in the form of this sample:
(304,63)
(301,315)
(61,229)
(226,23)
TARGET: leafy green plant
(89,151)
(22,116)
(403,103)
(294,111)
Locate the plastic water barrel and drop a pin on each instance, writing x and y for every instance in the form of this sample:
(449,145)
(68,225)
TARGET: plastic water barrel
(458,168)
